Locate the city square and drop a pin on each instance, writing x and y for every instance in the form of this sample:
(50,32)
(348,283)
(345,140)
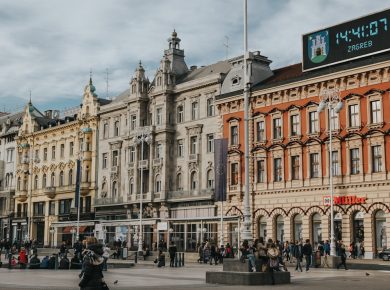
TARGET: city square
(186,144)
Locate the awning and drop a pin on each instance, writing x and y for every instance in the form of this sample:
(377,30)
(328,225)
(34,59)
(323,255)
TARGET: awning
(67,230)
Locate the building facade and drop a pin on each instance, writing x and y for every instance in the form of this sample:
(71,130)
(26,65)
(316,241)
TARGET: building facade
(48,150)
(290,161)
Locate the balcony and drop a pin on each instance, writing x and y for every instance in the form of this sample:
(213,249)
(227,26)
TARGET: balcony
(84,188)
(109,201)
(190,195)
(21,195)
(143,164)
(114,169)
(50,191)
(130,165)
(193,157)
(157,162)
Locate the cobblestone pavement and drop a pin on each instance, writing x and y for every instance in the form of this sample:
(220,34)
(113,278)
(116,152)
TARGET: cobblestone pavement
(191,277)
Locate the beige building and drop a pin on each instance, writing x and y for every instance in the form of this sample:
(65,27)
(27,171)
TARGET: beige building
(48,148)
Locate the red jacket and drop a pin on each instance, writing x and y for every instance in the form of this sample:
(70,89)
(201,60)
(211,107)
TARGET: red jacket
(23,257)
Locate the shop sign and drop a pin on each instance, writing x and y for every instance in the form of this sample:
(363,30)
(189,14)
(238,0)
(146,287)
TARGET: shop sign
(162,226)
(344,200)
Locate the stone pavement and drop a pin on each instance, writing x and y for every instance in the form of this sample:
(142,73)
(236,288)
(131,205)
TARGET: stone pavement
(190,277)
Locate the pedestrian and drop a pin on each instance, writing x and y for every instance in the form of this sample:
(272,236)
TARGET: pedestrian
(172,254)
(161,259)
(23,260)
(221,253)
(247,252)
(106,255)
(298,255)
(92,277)
(307,251)
(63,249)
(213,254)
(261,252)
(343,256)
(229,251)
(200,252)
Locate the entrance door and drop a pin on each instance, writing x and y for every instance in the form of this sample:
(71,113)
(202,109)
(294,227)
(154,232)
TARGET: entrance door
(358,227)
(40,232)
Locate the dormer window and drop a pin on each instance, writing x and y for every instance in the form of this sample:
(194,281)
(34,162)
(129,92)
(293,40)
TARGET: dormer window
(236,81)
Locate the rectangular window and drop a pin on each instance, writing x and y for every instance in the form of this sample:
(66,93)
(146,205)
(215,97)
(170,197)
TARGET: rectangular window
(39,208)
(53,152)
(10,155)
(210,143)
(64,206)
(71,147)
(260,171)
(376,116)
(105,130)
(234,135)
(295,167)
(44,154)
(88,204)
(294,120)
(132,154)
(354,116)
(210,107)
(62,150)
(260,131)
(159,151)
(355,161)
(376,158)
(194,111)
(277,169)
(180,148)
(277,130)
(314,165)
(114,158)
(52,207)
(234,174)
(313,122)
(180,114)
(334,120)
(133,122)
(159,116)
(335,163)
(104,163)
(193,145)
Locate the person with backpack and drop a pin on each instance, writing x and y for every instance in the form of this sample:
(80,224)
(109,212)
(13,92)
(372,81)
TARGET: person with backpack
(307,251)
(298,255)
(172,254)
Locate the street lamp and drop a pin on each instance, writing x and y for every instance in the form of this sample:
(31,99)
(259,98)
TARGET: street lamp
(331,98)
(141,137)
(52,236)
(72,231)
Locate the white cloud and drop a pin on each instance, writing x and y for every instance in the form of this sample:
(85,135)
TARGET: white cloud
(49,46)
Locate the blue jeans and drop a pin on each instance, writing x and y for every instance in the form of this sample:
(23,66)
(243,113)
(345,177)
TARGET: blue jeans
(251,262)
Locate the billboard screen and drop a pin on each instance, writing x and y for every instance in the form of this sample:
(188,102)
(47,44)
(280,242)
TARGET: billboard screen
(346,41)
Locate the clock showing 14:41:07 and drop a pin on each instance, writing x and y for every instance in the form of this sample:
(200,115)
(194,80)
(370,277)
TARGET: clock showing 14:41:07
(371,29)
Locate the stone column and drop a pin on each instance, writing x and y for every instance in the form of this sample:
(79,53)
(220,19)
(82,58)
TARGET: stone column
(368,237)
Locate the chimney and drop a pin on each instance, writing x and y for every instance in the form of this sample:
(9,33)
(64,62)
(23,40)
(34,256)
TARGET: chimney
(193,67)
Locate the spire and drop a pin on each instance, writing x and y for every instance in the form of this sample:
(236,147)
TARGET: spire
(175,55)
(90,77)
(30,103)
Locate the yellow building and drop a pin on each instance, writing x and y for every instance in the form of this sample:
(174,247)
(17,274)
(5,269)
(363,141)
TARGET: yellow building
(48,148)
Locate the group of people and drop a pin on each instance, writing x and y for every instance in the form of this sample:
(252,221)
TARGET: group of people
(209,252)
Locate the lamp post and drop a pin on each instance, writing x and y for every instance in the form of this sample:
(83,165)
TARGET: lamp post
(52,236)
(141,137)
(72,231)
(330,98)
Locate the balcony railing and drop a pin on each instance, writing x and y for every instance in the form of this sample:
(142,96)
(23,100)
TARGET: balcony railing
(157,162)
(193,157)
(143,164)
(21,195)
(191,194)
(114,169)
(109,200)
(50,191)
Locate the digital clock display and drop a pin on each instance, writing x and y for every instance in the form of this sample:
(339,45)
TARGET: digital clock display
(353,39)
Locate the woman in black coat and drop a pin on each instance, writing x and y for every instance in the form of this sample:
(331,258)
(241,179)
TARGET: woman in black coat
(92,276)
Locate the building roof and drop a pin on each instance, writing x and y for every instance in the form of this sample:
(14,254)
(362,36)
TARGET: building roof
(204,71)
(10,123)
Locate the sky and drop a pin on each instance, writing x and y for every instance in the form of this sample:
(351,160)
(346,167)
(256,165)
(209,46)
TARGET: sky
(49,47)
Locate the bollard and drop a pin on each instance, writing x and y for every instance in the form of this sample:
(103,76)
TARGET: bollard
(135,257)
(179,259)
(176,258)
(182,261)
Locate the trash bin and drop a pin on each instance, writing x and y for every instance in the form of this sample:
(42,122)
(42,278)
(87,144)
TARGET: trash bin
(124,253)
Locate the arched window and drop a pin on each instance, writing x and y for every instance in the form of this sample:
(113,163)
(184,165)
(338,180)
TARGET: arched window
(262,227)
(180,114)
(25,187)
(297,227)
(116,128)
(114,190)
(194,180)
(36,182)
(280,228)
(158,183)
(179,181)
(358,226)
(7,180)
(316,228)
(18,184)
(52,179)
(70,177)
(380,230)
(61,178)
(210,179)
(44,180)
(131,186)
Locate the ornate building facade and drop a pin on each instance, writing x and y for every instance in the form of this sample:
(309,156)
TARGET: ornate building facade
(290,161)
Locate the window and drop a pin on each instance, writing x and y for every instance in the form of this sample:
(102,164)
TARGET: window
(158,116)
(52,179)
(260,131)
(180,148)
(36,182)
(10,155)
(61,178)
(71,147)
(180,114)
(88,204)
(210,179)
(335,163)
(295,167)
(314,165)
(44,154)
(376,158)
(39,209)
(194,111)
(53,152)
(70,177)
(193,145)
(210,143)
(133,122)
(194,180)
(105,130)
(375,110)
(179,181)
(260,171)
(234,135)
(114,189)
(313,122)
(131,186)
(132,154)
(158,183)
(44,181)
(277,169)
(114,158)
(355,161)
(116,128)
(18,184)
(334,120)
(104,160)
(64,206)
(277,122)
(353,115)
(62,150)
(159,151)
(294,121)
(52,207)
(210,107)
(234,174)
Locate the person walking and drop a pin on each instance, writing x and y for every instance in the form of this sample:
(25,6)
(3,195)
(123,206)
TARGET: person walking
(23,260)
(92,276)
(172,254)
(298,255)
(307,251)
(213,254)
(343,256)
(106,255)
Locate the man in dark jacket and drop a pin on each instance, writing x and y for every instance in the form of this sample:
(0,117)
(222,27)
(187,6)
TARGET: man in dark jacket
(343,256)
(307,251)
(298,254)
(172,254)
